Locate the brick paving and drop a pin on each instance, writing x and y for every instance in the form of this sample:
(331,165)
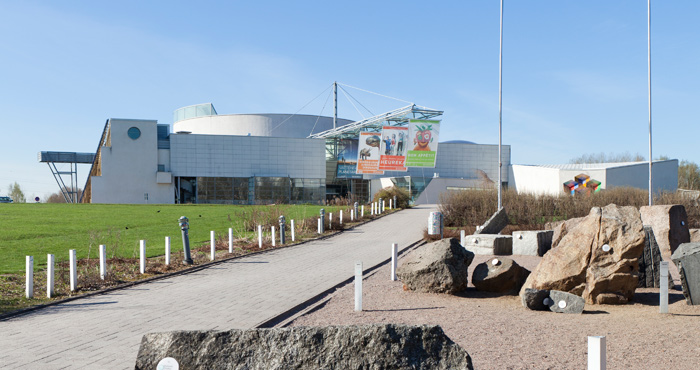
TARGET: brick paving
(104,331)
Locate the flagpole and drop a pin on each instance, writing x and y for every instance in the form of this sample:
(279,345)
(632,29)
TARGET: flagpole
(500,111)
(649,88)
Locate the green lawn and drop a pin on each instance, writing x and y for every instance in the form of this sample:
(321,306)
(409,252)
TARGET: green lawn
(39,229)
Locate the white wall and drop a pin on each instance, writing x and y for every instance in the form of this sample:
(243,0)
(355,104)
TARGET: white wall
(129,167)
(535,180)
(278,125)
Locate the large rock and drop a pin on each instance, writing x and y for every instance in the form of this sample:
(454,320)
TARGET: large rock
(334,347)
(535,299)
(438,267)
(670,225)
(495,224)
(489,244)
(694,235)
(563,302)
(596,259)
(687,258)
(532,243)
(561,228)
(649,268)
(499,275)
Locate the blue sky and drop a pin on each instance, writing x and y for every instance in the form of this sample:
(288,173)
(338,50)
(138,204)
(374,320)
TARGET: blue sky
(574,72)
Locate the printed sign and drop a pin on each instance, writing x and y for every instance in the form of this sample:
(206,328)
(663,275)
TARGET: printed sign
(424,136)
(368,153)
(347,159)
(393,148)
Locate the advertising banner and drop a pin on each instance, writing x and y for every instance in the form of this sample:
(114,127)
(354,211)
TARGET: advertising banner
(368,153)
(424,137)
(347,159)
(393,148)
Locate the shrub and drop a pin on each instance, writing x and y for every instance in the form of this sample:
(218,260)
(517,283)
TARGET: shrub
(402,196)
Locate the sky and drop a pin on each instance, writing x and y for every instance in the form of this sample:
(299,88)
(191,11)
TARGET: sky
(574,72)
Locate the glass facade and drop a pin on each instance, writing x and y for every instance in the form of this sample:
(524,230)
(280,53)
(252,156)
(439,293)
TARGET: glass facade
(253,190)
(222,190)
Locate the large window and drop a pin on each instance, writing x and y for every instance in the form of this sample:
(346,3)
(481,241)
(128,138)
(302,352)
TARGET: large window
(308,191)
(256,190)
(272,190)
(222,190)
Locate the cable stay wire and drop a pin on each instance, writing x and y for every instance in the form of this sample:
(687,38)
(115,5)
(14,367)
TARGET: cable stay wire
(321,113)
(372,92)
(353,104)
(300,109)
(358,102)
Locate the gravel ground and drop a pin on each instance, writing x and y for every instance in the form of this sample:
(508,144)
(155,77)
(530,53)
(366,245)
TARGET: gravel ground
(499,333)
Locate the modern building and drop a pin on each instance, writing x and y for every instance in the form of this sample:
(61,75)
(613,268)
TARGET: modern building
(263,158)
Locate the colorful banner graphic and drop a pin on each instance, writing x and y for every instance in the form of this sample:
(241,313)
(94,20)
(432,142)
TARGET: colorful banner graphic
(347,171)
(368,153)
(424,137)
(393,148)
(347,159)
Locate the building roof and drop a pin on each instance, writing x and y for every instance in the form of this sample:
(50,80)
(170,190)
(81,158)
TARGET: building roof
(591,166)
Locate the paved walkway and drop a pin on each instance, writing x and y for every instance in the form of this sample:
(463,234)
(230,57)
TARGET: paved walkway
(104,331)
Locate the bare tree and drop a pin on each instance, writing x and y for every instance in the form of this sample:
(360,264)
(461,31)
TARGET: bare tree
(16,193)
(608,158)
(58,197)
(688,175)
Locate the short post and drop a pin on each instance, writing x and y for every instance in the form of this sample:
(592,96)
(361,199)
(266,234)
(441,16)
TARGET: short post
(273,236)
(322,214)
(341,216)
(29,280)
(320,225)
(383,206)
(462,236)
(330,220)
(259,236)
(396,205)
(142,256)
(355,208)
(358,286)
(372,212)
(663,289)
(167,251)
(292,230)
(352,215)
(103,261)
(230,240)
(596,353)
(380,209)
(49,275)
(185,227)
(212,242)
(391,204)
(362,214)
(394,255)
(73,270)
(282,227)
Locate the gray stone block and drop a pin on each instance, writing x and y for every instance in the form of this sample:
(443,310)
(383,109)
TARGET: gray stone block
(534,299)
(687,259)
(499,275)
(532,243)
(649,268)
(333,347)
(495,224)
(488,244)
(564,302)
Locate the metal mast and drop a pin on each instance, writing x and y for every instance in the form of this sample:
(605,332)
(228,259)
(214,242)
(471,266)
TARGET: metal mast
(649,87)
(335,104)
(500,111)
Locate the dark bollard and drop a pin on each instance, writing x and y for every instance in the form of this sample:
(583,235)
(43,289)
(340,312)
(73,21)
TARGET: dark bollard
(396,206)
(357,215)
(323,220)
(185,226)
(281,220)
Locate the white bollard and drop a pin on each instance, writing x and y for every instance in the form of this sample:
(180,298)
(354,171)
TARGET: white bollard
(372,211)
(319,225)
(596,353)
(103,261)
(362,211)
(212,242)
(330,220)
(73,270)
(394,255)
(259,236)
(663,288)
(358,286)
(230,240)
(49,275)
(352,215)
(292,230)
(383,206)
(390,204)
(142,256)
(167,250)
(273,236)
(341,216)
(29,291)
(462,237)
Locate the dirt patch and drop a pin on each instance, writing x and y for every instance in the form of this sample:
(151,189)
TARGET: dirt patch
(499,333)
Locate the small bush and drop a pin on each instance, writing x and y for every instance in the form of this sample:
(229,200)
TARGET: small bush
(402,196)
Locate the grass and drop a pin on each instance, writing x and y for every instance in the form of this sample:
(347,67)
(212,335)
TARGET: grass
(32,229)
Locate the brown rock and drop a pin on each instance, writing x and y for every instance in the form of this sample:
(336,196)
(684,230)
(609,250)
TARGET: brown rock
(438,267)
(581,264)
(499,275)
(670,225)
(694,235)
(561,228)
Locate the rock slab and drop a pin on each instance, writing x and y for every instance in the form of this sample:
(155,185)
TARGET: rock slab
(499,275)
(670,225)
(687,259)
(334,347)
(438,267)
(596,259)
(495,224)
(489,244)
(532,243)
(563,302)
(649,262)
(534,299)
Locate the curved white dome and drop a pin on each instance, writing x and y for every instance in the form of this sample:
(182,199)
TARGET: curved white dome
(276,125)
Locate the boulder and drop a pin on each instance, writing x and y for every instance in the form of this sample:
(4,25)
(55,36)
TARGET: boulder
(649,268)
(670,225)
(694,235)
(534,299)
(687,259)
(532,243)
(495,224)
(499,275)
(438,267)
(334,347)
(563,302)
(561,228)
(597,258)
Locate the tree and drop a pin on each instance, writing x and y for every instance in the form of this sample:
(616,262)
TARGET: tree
(15,192)
(608,158)
(688,175)
(59,198)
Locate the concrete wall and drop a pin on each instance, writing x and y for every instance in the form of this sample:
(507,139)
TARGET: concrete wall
(440,186)
(277,125)
(246,156)
(129,167)
(535,180)
(665,176)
